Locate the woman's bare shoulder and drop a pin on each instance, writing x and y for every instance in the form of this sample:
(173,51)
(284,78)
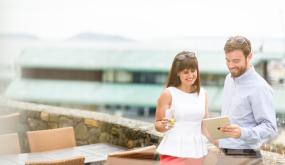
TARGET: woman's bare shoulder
(165,95)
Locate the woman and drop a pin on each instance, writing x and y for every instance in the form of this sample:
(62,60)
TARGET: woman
(183,143)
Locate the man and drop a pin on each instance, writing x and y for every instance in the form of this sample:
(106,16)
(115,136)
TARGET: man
(247,101)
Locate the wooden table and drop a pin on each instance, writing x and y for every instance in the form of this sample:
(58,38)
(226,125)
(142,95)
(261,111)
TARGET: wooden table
(93,153)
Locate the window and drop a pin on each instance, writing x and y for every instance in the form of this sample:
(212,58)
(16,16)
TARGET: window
(61,74)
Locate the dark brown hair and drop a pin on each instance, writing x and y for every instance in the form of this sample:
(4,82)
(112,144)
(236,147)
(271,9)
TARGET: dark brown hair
(238,43)
(183,60)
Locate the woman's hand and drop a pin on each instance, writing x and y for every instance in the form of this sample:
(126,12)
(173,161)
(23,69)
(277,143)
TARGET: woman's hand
(215,142)
(162,125)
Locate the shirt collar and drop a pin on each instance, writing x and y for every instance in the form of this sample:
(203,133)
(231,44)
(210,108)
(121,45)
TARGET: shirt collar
(245,75)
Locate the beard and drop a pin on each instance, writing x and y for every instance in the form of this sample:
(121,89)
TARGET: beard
(238,71)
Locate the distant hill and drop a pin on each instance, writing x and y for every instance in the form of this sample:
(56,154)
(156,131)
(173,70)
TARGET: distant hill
(87,36)
(19,36)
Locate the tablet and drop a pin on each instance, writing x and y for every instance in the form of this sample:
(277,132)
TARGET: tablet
(214,124)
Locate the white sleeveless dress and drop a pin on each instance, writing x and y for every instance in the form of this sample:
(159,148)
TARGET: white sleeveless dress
(185,139)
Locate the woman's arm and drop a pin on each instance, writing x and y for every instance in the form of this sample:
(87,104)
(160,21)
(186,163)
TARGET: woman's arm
(164,102)
(204,129)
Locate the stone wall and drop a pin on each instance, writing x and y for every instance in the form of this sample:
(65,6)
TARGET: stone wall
(90,130)
(89,127)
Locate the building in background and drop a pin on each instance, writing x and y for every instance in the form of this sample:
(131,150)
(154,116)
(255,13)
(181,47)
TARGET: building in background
(11,45)
(125,82)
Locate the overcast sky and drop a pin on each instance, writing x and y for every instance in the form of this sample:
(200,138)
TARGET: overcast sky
(144,19)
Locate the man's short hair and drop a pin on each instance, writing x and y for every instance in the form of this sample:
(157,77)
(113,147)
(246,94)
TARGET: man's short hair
(238,43)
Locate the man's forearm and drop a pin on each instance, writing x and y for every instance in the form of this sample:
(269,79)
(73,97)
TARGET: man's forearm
(260,133)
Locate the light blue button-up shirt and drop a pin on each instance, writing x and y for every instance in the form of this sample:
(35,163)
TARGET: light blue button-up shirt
(248,102)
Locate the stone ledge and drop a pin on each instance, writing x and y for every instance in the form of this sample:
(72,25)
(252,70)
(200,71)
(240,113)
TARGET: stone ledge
(90,127)
(134,124)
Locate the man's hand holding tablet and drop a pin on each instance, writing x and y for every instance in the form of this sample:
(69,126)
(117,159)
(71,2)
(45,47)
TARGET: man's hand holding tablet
(218,127)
